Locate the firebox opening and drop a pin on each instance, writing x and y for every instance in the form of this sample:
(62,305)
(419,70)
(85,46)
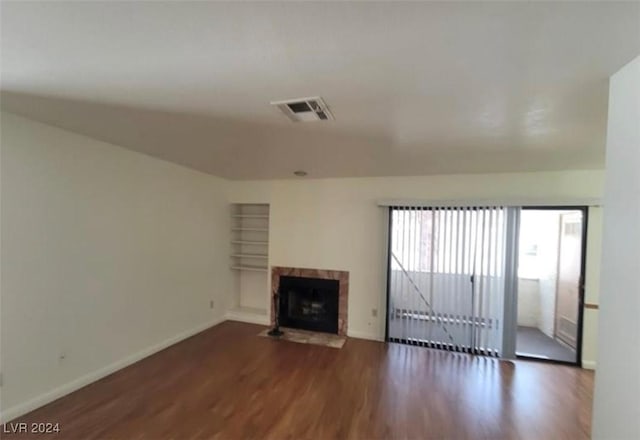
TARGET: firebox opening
(309,303)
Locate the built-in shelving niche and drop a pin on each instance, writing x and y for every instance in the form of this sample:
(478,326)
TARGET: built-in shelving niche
(249,260)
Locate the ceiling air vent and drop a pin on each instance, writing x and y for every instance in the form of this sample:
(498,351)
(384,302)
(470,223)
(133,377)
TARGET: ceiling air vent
(304,109)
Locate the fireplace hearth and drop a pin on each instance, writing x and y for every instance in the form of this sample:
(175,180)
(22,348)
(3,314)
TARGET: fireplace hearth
(309,303)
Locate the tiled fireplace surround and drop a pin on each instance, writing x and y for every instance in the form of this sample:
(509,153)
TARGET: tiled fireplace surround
(341,276)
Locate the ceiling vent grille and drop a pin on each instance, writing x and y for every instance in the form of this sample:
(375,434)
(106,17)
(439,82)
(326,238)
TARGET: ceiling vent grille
(304,109)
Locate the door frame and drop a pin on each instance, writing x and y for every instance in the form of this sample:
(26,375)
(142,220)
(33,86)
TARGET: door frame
(581,287)
(581,282)
(388,268)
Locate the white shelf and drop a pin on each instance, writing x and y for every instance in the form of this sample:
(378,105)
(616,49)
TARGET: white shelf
(249,310)
(249,261)
(251,268)
(248,242)
(252,315)
(256,256)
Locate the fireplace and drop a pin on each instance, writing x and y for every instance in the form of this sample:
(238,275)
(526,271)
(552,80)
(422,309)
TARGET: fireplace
(312,299)
(309,303)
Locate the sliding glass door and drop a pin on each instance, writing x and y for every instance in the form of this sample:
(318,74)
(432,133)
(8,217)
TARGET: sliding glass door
(492,280)
(550,274)
(449,271)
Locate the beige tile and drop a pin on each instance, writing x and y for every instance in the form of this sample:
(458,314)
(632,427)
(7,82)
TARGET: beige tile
(306,337)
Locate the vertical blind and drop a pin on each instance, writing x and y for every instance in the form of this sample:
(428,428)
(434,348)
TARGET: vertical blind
(447,277)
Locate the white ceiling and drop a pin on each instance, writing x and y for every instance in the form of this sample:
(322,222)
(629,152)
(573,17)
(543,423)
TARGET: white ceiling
(416,88)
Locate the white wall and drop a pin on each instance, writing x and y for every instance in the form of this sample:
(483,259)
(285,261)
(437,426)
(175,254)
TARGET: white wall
(592,288)
(549,243)
(540,228)
(528,302)
(616,404)
(107,255)
(336,223)
(253,290)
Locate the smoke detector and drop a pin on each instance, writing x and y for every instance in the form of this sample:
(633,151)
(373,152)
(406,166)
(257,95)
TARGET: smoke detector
(304,109)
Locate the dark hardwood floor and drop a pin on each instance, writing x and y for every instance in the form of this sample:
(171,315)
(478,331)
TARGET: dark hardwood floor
(228,383)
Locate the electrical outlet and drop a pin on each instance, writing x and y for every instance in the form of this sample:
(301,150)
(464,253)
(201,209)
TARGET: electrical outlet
(211,304)
(374,313)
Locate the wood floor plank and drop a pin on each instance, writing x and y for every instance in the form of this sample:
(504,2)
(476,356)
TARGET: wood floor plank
(228,383)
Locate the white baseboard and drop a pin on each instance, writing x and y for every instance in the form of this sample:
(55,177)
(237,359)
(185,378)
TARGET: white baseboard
(589,365)
(41,400)
(364,335)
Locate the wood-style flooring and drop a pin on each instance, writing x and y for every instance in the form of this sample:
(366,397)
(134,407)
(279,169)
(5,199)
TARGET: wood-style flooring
(228,383)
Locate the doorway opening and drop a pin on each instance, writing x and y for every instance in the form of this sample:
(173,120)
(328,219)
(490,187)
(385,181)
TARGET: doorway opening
(551,261)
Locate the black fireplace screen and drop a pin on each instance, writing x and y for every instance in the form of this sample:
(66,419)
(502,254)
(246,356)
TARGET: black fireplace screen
(309,303)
